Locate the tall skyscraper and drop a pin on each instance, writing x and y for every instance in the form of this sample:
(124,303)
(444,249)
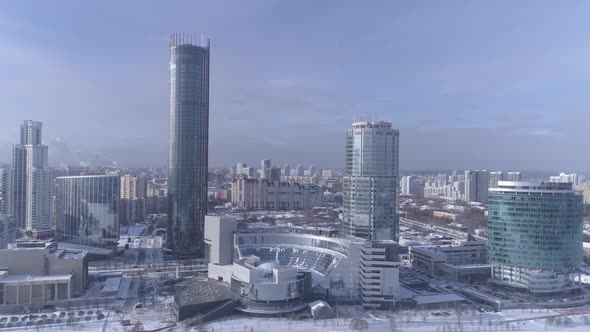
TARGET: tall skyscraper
(189,145)
(32,181)
(87,209)
(370,181)
(535,235)
(476,186)
(265,169)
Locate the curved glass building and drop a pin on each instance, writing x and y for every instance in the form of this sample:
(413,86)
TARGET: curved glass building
(535,235)
(189,142)
(370,181)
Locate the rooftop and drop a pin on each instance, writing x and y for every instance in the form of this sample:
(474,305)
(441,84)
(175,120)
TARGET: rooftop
(18,278)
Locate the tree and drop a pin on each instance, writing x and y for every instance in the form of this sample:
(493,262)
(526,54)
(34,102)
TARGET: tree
(359,324)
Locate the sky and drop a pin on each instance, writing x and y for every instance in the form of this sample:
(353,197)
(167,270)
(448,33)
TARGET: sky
(469,84)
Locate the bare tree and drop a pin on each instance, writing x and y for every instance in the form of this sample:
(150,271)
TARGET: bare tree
(359,324)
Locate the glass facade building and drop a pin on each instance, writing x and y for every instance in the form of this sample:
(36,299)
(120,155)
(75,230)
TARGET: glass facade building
(87,209)
(370,181)
(189,142)
(535,235)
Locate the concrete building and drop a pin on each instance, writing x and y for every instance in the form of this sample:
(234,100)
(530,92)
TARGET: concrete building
(535,236)
(32,181)
(572,178)
(87,209)
(405,184)
(240,168)
(299,171)
(265,195)
(514,176)
(379,274)
(371,180)
(189,145)
(5,191)
(466,262)
(7,230)
(40,273)
(157,199)
(219,230)
(476,186)
(286,171)
(133,199)
(495,177)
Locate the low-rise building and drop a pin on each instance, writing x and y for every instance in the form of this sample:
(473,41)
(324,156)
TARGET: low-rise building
(37,272)
(464,262)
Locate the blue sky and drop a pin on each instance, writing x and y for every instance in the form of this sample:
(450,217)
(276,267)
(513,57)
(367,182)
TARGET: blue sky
(470,84)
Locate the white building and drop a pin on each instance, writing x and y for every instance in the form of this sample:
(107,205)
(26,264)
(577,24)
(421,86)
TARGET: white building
(572,178)
(514,176)
(40,273)
(495,177)
(32,180)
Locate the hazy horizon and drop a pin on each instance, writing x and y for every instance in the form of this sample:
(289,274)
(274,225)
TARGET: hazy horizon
(499,85)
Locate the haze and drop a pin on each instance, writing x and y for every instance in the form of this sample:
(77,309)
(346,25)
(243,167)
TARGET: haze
(497,85)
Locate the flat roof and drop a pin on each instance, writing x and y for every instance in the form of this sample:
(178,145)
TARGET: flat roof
(18,278)
(437,298)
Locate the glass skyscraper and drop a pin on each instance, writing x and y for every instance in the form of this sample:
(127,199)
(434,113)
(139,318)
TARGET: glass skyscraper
(535,235)
(370,181)
(87,209)
(188,150)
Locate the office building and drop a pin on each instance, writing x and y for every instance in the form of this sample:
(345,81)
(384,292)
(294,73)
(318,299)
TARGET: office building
(476,186)
(513,176)
(32,181)
(189,145)
(39,273)
(299,171)
(133,199)
(495,177)
(379,274)
(275,174)
(311,171)
(286,171)
(5,191)
(266,195)
(370,181)
(87,209)
(405,183)
(465,262)
(535,235)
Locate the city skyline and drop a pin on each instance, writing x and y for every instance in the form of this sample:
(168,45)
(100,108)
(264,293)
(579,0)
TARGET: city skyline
(508,97)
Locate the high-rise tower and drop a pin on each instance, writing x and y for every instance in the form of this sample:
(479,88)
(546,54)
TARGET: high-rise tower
(32,180)
(189,144)
(535,235)
(371,180)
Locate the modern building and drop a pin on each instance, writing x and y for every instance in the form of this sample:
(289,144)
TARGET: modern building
(274,273)
(5,191)
(494,178)
(535,236)
(32,181)
(466,262)
(87,209)
(476,186)
(379,274)
(240,168)
(405,184)
(260,194)
(371,180)
(275,174)
(39,273)
(189,145)
(133,199)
